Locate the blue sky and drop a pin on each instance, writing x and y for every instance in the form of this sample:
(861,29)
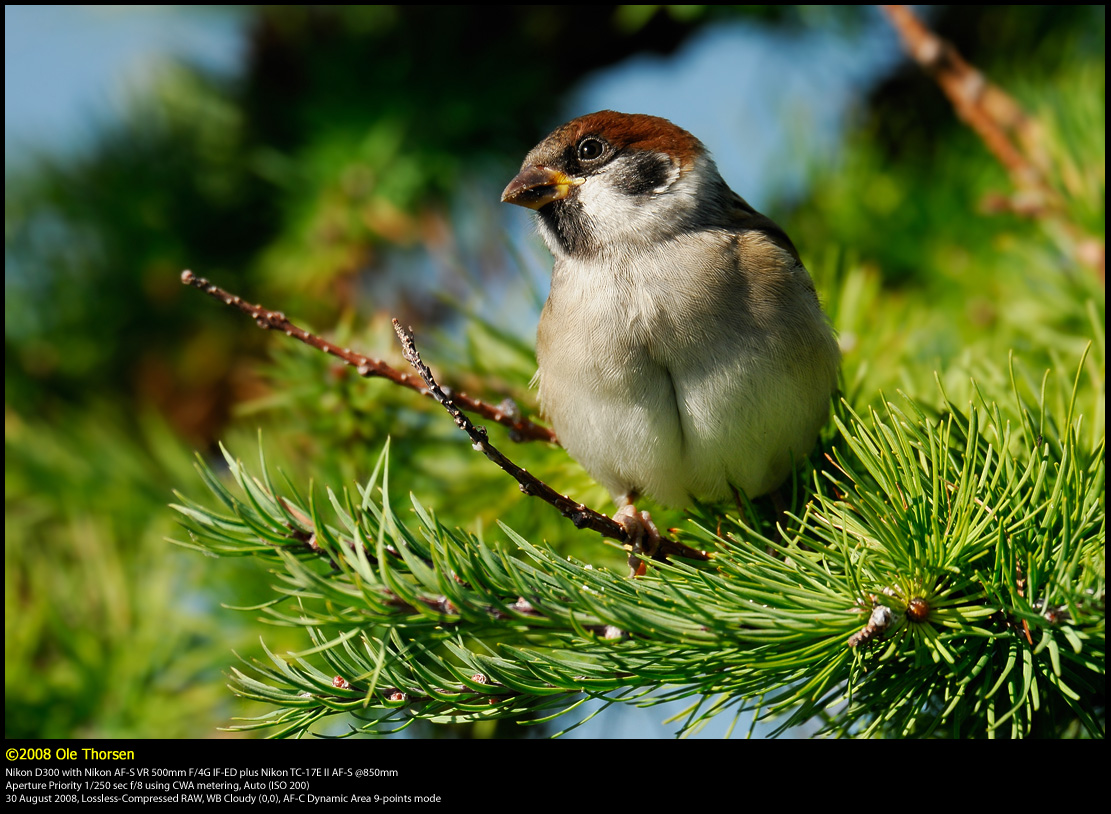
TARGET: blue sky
(68,68)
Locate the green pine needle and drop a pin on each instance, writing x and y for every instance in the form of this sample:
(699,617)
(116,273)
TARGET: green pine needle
(978,529)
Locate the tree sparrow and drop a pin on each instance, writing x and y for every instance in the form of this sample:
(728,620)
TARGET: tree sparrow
(682,351)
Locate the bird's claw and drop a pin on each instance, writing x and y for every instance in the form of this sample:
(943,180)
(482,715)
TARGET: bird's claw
(641,535)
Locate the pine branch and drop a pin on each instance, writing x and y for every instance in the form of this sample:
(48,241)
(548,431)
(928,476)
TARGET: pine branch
(984,544)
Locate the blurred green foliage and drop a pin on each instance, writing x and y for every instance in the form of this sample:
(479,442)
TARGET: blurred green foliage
(350,128)
(356,130)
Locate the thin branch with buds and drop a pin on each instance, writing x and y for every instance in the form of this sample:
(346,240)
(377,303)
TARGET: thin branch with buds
(506,414)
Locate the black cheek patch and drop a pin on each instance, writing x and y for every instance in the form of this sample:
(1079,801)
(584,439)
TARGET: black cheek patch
(643,173)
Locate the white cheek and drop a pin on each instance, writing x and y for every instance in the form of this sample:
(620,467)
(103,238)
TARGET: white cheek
(612,212)
(618,218)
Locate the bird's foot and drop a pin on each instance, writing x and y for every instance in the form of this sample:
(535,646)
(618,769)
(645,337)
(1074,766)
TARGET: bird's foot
(642,535)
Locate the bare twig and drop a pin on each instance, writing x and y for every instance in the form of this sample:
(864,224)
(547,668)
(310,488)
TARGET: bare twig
(580,515)
(1012,136)
(521,429)
(987,109)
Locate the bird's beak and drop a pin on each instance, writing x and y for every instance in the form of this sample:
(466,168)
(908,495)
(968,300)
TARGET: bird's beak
(537,186)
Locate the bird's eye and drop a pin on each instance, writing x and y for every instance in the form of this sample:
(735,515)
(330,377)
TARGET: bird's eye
(591,148)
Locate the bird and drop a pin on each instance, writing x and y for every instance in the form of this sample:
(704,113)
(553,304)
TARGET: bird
(682,353)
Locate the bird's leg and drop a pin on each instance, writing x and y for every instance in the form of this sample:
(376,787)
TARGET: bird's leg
(642,533)
(738,501)
(781,502)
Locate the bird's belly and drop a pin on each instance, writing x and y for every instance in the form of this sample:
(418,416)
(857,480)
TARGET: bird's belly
(639,428)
